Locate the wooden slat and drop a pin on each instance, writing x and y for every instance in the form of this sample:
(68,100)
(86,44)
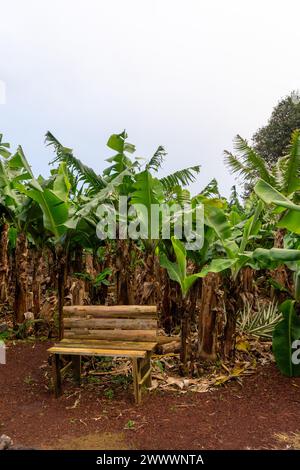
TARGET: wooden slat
(117,311)
(111,323)
(65,369)
(146,377)
(136,372)
(97,352)
(93,343)
(114,335)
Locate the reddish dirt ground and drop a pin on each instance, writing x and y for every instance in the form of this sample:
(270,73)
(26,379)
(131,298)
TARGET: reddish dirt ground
(231,417)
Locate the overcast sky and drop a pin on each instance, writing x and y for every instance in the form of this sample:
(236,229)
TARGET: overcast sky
(187,74)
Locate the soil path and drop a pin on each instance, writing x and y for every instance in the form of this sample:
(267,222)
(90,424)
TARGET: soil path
(231,417)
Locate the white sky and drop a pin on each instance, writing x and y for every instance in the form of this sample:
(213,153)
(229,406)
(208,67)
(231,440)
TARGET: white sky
(188,74)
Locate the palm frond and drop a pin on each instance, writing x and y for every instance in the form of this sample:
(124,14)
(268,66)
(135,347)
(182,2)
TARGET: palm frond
(235,166)
(180,177)
(85,174)
(292,173)
(251,159)
(234,197)
(4,146)
(156,161)
(247,163)
(211,189)
(180,196)
(279,170)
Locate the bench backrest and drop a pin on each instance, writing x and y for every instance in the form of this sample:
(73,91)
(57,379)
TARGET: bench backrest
(115,323)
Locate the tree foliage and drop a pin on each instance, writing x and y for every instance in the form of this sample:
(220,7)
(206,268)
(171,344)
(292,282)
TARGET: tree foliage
(271,140)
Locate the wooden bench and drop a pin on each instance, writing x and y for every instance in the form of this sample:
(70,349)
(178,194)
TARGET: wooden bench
(118,331)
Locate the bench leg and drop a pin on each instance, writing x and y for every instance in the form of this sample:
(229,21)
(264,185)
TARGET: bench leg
(56,375)
(147,370)
(141,375)
(136,371)
(76,365)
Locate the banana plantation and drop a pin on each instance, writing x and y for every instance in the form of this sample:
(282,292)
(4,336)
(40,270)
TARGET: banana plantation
(226,312)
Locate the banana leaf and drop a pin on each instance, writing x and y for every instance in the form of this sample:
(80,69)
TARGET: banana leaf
(286,332)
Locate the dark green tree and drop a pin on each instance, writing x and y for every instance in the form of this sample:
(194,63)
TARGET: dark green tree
(271,141)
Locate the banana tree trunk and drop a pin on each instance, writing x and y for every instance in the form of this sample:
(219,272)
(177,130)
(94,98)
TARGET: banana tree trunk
(149,280)
(78,260)
(185,333)
(36,281)
(77,291)
(4,265)
(166,314)
(229,336)
(280,274)
(122,263)
(208,318)
(233,302)
(246,279)
(52,261)
(61,258)
(21,289)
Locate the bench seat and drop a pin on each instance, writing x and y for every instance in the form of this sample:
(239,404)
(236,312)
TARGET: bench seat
(81,350)
(90,343)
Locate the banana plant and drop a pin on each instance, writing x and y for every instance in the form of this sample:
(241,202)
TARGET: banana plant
(287,210)
(16,208)
(52,197)
(78,173)
(285,336)
(283,176)
(146,192)
(289,218)
(177,272)
(234,240)
(288,329)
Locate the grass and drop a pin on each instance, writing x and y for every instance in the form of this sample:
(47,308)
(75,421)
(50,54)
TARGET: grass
(28,380)
(5,335)
(122,380)
(130,424)
(109,394)
(93,380)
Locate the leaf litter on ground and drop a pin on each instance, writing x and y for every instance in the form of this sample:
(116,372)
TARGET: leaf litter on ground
(249,354)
